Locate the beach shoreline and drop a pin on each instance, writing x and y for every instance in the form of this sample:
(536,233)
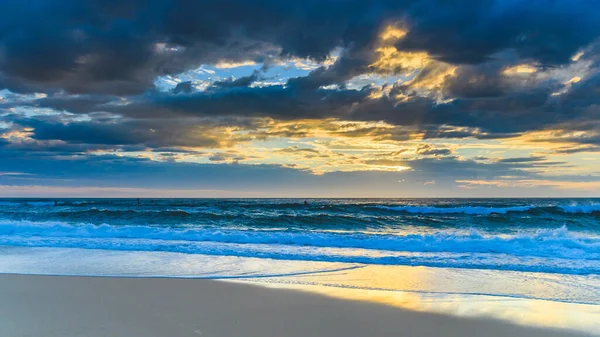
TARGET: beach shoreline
(117,306)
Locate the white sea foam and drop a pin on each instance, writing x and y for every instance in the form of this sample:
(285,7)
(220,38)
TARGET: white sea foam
(554,249)
(581,208)
(93,262)
(473,210)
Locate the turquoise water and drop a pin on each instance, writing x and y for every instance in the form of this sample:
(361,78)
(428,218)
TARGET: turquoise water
(560,236)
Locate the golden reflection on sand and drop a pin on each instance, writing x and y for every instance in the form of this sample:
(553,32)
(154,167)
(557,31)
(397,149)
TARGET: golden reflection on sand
(439,290)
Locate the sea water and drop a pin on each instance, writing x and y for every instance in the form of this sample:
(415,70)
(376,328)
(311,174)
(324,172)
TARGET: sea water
(537,249)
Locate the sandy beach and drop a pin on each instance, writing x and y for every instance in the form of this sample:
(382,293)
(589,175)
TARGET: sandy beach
(65,306)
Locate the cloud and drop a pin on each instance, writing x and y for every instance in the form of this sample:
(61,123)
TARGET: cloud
(428,150)
(112,175)
(522,159)
(227,157)
(390,84)
(467,32)
(61,134)
(102,47)
(183,87)
(244,81)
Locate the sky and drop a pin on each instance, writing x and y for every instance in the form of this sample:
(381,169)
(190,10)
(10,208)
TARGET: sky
(312,98)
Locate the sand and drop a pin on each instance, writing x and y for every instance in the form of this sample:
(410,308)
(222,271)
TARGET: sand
(61,306)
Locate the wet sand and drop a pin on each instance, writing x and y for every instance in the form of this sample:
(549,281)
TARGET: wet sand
(64,306)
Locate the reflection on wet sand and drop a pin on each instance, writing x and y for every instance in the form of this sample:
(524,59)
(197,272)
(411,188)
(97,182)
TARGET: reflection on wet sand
(549,300)
(533,299)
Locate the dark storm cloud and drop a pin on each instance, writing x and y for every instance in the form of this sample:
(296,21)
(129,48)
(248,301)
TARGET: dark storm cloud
(467,31)
(499,116)
(183,87)
(121,46)
(585,92)
(353,62)
(270,101)
(477,82)
(243,81)
(101,59)
(494,115)
(79,104)
(101,133)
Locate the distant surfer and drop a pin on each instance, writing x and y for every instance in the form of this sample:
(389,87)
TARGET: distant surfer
(138,201)
(55,203)
(305,203)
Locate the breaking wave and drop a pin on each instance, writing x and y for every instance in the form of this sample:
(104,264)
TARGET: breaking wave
(545,246)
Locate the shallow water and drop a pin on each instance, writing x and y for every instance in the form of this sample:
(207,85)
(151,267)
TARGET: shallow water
(535,299)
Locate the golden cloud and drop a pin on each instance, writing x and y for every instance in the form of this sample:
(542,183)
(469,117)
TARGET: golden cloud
(520,69)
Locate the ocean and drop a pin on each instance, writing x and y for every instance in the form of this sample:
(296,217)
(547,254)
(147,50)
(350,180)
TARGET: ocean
(543,249)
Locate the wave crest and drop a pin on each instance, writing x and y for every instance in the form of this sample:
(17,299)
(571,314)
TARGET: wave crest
(581,208)
(558,243)
(473,210)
